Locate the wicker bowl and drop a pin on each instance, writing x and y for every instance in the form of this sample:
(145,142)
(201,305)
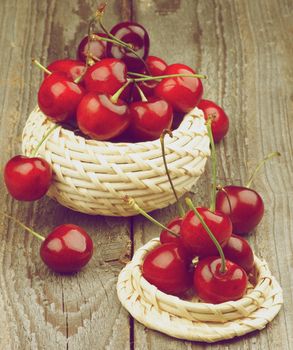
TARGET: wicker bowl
(192,319)
(93,176)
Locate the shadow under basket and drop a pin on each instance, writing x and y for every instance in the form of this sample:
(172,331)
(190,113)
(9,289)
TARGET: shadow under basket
(93,177)
(192,319)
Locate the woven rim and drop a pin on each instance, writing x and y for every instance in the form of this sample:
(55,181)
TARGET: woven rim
(93,176)
(194,320)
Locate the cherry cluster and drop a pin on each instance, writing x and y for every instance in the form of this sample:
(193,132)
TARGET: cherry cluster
(116,91)
(203,247)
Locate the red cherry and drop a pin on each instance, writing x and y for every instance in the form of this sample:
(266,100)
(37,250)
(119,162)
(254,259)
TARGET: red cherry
(67,249)
(27,179)
(134,34)
(167,267)
(106,76)
(59,97)
(239,251)
(247,207)
(182,93)
(214,286)
(175,226)
(220,122)
(195,237)
(156,65)
(97,48)
(72,68)
(100,118)
(150,118)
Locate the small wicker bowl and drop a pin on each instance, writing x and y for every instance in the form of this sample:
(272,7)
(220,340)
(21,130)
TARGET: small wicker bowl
(93,176)
(192,319)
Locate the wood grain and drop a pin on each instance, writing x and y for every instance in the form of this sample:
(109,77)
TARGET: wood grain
(244,48)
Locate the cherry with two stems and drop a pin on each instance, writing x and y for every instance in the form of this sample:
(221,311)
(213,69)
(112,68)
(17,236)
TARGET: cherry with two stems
(217,280)
(66,249)
(244,205)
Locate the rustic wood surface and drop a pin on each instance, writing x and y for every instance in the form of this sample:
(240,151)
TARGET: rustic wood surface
(245,49)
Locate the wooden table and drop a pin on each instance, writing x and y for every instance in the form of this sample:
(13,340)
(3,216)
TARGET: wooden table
(244,47)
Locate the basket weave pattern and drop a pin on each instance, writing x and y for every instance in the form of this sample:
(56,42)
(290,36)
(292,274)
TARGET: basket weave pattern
(93,176)
(195,320)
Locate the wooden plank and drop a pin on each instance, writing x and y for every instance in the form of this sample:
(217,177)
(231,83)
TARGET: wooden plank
(243,47)
(39,309)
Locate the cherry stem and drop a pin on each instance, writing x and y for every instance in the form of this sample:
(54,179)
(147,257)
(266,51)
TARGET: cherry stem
(43,140)
(214,165)
(132,203)
(114,98)
(38,64)
(162,140)
(24,226)
(209,232)
(220,188)
(260,165)
(146,78)
(141,75)
(142,95)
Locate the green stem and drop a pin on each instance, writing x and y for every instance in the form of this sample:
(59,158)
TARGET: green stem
(114,98)
(209,232)
(24,226)
(38,64)
(142,95)
(44,139)
(146,78)
(214,165)
(162,140)
(131,202)
(260,165)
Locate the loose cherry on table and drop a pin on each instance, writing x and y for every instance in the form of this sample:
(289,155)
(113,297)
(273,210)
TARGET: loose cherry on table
(106,76)
(168,268)
(102,116)
(27,179)
(243,204)
(72,68)
(66,249)
(138,42)
(183,93)
(59,96)
(95,50)
(220,121)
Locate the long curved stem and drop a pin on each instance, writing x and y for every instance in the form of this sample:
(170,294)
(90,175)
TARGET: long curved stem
(131,202)
(162,140)
(260,165)
(214,165)
(146,78)
(43,140)
(24,226)
(209,232)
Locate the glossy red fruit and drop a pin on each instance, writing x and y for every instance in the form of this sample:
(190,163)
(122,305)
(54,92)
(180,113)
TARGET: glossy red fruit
(195,237)
(58,97)
(175,226)
(182,93)
(67,249)
(239,251)
(149,119)
(220,122)
(97,49)
(167,267)
(71,68)
(100,118)
(214,286)
(134,34)
(247,207)
(156,65)
(27,179)
(106,76)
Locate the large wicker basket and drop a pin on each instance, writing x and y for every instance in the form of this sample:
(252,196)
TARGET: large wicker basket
(93,176)
(192,319)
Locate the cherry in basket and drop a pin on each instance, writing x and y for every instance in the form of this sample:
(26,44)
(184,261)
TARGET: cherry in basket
(66,250)
(244,205)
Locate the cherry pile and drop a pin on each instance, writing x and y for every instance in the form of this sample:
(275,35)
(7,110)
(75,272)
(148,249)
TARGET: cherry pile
(115,90)
(201,248)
